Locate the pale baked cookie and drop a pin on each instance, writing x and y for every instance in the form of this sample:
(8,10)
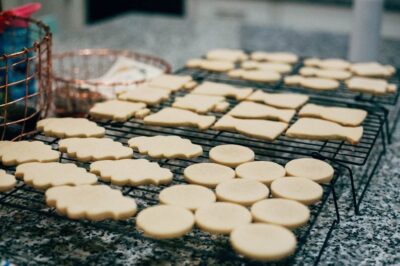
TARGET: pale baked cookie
(190,85)
(300,189)
(190,197)
(279,100)
(94,149)
(208,174)
(318,129)
(165,147)
(179,118)
(115,110)
(370,85)
(257,75)
(312,83)
(247,109)
(231,155)
(221,217)
(44,175)
(131,172)
(146,94)
(211,65)
(92,202)
(329,63)
(325,73)
(265,242)
(198,103)
(70,127)
(225,54)
(18,152)
(241,191)
(278,57)
(372,69)
(316,170)
(169,82)
(7,181)
(262,171)
(288,213)
(165,221)
(221,107)
(254,128)
(142,113)
(344,116)
(221,89)
(278,67)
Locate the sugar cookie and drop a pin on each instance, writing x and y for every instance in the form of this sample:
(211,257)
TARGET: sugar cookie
(247,109)
(288,213)
(190,85)
(278,57)
(7,181)
(254,128)
(329,63)
(70,127)
(257,75)
(231,155)
(262,171)
(131,172)
(221,107)
(210,65)
(279,100)
(300,189)
(142,113)
(169,82)
(166,147)
(165,221)
(370,85)
(13,153)
(317,129)
(278,67)
(221,217)
(265,242)
(312,83)
(325,73)
(241,191)
(316,170)
(220,89)
(115,110)
(178,117)
(190,197)
(232,55)
(372,69)
(44,175)
(92,202)
(146,94)
(94,149)
(197,103)
(208,174)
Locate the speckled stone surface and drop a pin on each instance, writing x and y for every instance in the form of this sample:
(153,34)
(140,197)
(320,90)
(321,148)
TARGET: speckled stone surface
(372,238)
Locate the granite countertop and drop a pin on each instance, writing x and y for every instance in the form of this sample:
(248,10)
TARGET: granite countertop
(371,238)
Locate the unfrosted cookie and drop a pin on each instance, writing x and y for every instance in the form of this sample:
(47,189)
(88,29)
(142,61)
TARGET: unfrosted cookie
(300,189)
(221,107)
(257,75)
(372,69)
(146,94)
(231,155)
(18,152)
(318,129)
(197,102)
(221,217)
(288,213)
(316,170)
(208,174)
(278,67)
(190,85)
(179,118)
(92,202)
(220,89)
(70,127)
(169,82)
(262,171)
(166,147)
(190,197)
(329,63)
(370,85)
(131,172)
(115,110)
(344,116)
(278,57)
(232,55)
(247,109)
(241,191)
(211,65)
(94,149)
(142,113)
(44,175)
(7,181)
(312,83)
(254,128)
(165,221)
(279,100)
(325,73)
(265,242)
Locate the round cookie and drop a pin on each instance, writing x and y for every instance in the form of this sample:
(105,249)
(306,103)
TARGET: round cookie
(288,213)
(165,221)
(316,170)
(231,155)
(262,171)
(266,242)
(221,217)
(7,181)
(190,197)
(208,174)
(300,189)
(242,191)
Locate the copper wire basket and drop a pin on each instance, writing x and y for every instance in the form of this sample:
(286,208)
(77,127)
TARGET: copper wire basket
(25,81)
(74,72)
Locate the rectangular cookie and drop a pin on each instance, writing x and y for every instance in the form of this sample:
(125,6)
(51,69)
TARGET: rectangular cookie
(247,109)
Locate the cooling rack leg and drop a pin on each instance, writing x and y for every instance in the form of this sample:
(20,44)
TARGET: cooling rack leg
(325,244)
